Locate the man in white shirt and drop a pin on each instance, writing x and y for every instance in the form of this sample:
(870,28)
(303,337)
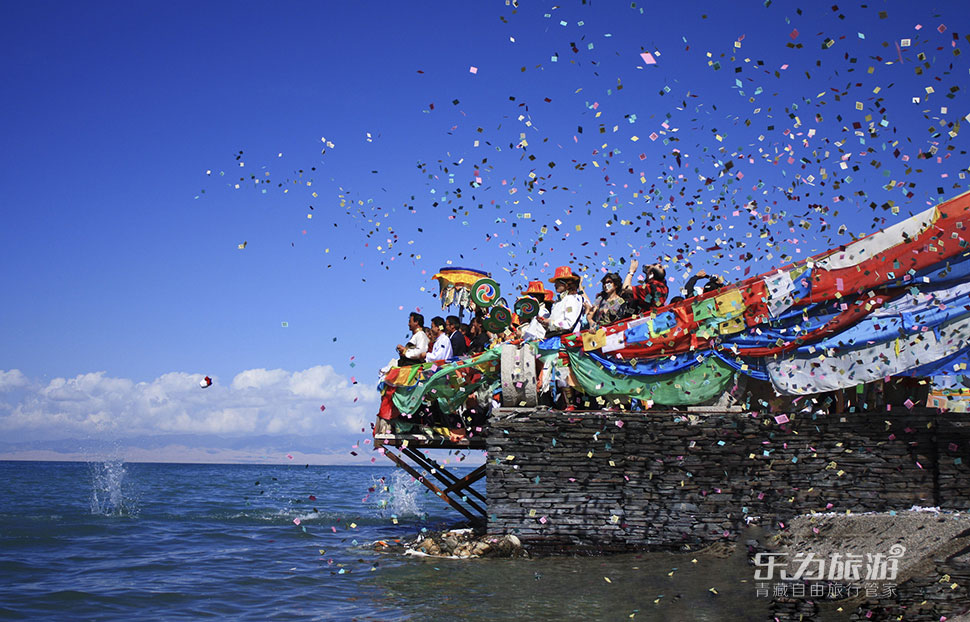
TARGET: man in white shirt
(564,317)
(417,347)
(563,320)
(441,350)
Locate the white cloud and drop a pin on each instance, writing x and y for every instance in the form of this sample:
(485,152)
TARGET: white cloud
(256,402)
(13,379)
(257,378)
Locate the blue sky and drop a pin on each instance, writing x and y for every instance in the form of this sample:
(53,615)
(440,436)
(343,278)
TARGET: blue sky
(128,126)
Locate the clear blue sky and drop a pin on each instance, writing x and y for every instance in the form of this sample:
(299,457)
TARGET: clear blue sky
(122,281)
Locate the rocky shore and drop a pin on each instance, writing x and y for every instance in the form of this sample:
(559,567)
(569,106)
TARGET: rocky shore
(458,544)
(909,565)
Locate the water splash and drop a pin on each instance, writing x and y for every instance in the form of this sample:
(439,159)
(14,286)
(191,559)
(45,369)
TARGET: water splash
(108,489)
(399,495)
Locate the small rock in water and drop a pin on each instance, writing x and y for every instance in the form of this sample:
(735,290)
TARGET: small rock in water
(449,543)
(429,547)
(466,543)
(480,548)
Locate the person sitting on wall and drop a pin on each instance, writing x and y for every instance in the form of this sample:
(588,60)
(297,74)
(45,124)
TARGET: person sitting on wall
(479,339)
(609,306)
(441,349)
(458,345)
(414,352)
(565,313)
(649,295)
(713,282)
(534,329)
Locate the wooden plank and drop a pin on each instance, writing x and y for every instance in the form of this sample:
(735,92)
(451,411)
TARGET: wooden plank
(454,504)
(436,442)
(467,481)
(455,481)
(443,476)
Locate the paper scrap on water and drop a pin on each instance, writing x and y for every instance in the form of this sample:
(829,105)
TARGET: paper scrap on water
(648,58)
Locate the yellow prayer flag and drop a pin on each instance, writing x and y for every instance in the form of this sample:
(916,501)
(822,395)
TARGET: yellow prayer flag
(730,303)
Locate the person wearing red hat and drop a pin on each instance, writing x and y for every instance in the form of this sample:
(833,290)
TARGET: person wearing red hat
(564,319)
(565,314)
(534,329)
(538,291)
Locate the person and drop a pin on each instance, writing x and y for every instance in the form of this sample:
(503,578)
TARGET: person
(441,348)
(565,313)
(713,282)
(652,293)
(610,306)
(458,345)
(413,353)
(535,330)
(479,342)
(563,319)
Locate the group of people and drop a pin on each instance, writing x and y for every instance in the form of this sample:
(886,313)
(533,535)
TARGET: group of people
(565,311)
(618,299)
(447,338)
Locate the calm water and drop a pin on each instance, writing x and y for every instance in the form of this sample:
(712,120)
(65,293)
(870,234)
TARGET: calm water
(117,541)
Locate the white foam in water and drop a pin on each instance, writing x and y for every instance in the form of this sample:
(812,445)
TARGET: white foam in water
(399,495)
(107,489)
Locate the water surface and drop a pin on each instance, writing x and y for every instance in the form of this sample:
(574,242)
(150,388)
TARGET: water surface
(113,541)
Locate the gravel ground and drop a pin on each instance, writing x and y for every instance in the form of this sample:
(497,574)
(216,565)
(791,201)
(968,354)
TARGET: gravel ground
(923,535)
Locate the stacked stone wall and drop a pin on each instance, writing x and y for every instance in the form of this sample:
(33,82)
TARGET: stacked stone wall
(616,481)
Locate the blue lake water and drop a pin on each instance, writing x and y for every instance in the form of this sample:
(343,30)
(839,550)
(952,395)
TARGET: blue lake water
(122,541)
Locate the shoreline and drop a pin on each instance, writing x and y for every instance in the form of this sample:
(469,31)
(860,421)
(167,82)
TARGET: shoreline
(930,579)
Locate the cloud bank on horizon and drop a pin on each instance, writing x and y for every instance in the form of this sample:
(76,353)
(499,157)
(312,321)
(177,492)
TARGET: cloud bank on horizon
(260,415)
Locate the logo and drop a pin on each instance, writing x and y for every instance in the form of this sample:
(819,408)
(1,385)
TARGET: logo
(840,575)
